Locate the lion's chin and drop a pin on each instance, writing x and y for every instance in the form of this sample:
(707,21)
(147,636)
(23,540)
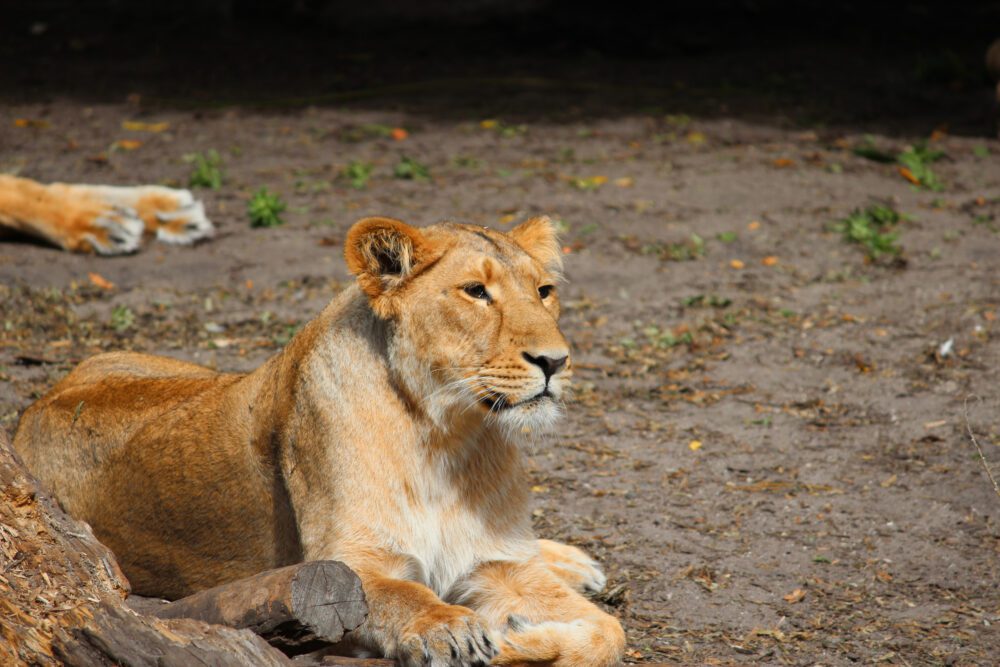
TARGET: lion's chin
(531,418)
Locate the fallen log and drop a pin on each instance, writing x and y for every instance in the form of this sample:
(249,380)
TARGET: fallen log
(113,635)
(294,608)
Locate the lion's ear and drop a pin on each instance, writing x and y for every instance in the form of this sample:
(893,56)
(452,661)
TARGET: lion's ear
(383,252)
(538,238)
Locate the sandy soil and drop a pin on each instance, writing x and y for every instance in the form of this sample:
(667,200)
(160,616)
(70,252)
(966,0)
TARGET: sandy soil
(767,449)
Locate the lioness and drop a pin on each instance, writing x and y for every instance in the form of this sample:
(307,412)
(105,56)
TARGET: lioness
(386,435)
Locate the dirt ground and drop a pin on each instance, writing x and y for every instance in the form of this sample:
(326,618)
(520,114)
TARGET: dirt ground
(768,447)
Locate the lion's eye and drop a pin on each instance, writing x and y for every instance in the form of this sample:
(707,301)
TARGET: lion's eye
(545,290)
(477,291)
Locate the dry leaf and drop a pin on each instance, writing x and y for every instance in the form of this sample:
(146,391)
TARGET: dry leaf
(128,144)
(888,481)
(908,175)
(782,162)
(773,634)
(795,596)
(100,281)
(36,123)
(139,126)
(624,182)
(696,138)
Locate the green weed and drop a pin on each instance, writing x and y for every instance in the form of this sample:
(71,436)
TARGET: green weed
(871,228)
(411,170)
(918,159)
(265,209)
(689,250)
(915,160)
(122,319)
(358,173)
(666,339)
(207,172)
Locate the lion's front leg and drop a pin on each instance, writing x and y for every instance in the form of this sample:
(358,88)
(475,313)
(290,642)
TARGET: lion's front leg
(548,622)
(68,218)
(408,621)
(108,220)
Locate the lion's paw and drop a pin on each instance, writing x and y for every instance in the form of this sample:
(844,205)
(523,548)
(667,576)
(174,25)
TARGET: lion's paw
(114,230)
(573,566)
(184,225)
(173,214)
(592,642)
(447,636)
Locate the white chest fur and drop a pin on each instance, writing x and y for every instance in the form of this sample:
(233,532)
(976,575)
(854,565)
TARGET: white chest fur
(446,536)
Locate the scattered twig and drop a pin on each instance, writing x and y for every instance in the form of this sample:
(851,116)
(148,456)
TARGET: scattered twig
(34,360)
(982,457)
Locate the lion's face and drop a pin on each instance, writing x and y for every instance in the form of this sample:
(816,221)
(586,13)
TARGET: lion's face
(475,315)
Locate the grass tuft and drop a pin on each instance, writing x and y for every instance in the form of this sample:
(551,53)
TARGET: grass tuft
(358,173)
(265,209)
(122,319)
(872,228)
(411,170)
(207,172)
(917,160)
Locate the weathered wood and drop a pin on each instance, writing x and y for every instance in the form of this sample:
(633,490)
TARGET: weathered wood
(61,595)
(116,636)
(292,607)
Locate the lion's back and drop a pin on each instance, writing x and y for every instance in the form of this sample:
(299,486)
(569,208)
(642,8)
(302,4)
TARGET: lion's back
(94,410)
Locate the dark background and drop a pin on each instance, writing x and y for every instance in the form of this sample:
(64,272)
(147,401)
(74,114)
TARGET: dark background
(891,66)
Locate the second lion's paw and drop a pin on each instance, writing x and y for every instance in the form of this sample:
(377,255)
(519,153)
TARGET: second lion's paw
(447,636)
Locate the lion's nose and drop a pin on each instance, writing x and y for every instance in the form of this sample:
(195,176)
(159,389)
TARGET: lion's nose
(549,365)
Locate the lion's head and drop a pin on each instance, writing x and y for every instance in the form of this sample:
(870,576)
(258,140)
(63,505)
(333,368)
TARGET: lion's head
(473,314)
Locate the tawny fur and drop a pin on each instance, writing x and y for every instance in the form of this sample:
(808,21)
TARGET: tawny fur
(108,220)
(387,434)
